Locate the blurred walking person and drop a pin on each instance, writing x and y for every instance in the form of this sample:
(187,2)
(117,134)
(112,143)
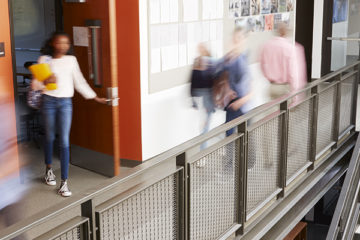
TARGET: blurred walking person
(283,64)
(11,188)
(233,92)
(202,79)
(236,69)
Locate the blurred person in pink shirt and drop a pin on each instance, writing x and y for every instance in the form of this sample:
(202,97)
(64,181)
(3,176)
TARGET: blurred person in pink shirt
(283,64)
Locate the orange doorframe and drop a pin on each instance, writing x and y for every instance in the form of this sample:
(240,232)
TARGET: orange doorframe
(114,84)
(7,98)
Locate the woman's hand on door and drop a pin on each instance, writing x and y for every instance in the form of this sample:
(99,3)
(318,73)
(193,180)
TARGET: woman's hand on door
(100,100)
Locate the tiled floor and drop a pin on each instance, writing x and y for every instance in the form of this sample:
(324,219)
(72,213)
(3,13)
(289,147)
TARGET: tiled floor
(40,196)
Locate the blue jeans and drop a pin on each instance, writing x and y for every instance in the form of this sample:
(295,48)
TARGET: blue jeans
(57,114)
(207,99)
(231,115)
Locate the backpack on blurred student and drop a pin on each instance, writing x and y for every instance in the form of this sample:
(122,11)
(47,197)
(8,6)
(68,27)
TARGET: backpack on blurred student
(223,95)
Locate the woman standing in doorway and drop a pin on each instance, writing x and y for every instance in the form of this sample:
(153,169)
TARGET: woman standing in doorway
(57,104)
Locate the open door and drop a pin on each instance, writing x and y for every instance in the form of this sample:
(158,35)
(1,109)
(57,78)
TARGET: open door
(95,134)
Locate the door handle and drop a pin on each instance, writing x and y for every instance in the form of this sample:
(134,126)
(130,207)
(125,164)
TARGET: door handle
(112,96)
(112,101)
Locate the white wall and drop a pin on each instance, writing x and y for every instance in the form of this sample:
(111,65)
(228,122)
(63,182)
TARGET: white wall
(167,116)
(317,38)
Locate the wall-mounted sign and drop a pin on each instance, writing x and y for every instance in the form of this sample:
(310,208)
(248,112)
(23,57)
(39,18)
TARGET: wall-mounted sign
(2,49)
(76,1)
(81,36)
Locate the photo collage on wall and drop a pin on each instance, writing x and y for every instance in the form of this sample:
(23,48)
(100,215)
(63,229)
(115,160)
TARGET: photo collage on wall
(261,15)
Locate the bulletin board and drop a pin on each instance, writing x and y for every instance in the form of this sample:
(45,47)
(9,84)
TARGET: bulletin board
(176,27)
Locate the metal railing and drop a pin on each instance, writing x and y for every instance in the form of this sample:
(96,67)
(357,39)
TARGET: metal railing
(347,213)
(185,193)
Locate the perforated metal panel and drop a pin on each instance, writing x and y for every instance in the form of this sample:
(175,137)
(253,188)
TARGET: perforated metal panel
(346,103)
(325,119)
(150,214)
(263,162)
(299,133)
(74,234)
(213,193)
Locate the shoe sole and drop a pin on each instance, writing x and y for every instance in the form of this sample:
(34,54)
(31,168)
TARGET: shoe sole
(50,183)
(63,195)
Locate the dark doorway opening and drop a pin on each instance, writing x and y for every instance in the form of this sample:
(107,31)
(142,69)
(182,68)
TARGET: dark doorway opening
(304,29)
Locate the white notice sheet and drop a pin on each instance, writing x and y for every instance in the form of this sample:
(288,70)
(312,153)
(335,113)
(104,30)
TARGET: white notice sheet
(154,11)
(205,31)
(155,34)
(155,60)
(191,10)
(169,57)
(165,11)
(182,33)
(182,55)
(220,9)
(81,36)
(213,31)
(192,52)
(205,10)
(174,11)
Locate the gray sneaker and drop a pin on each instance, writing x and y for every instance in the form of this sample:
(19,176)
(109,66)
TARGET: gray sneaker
(50,177)
(64,189)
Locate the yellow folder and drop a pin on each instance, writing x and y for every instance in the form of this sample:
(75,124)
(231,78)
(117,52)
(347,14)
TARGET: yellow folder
(42,72)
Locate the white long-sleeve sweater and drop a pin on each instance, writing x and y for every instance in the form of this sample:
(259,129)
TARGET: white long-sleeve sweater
(68,76)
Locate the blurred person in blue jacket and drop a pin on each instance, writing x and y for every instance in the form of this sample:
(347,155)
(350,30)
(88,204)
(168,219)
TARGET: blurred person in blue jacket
(236,67)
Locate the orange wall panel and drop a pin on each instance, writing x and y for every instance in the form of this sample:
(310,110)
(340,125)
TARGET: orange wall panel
(129,78)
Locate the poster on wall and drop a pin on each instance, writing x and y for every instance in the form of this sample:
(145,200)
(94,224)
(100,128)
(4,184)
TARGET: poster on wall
(269,22)
(277,20)
(282,5)
(251,24)
(274,6)
(255,7)
(260,23)
(265,6)
(234,8)
(255,24)
(290,5)
(286,18)
(340,11)
(245,8)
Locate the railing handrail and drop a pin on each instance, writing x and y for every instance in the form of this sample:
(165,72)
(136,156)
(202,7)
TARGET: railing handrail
(77,200)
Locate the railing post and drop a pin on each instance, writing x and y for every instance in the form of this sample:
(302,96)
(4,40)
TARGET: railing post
(242,144)
(184,200)
(337,105)
(314,121)
(355,95)
(284,146)
(88,210)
